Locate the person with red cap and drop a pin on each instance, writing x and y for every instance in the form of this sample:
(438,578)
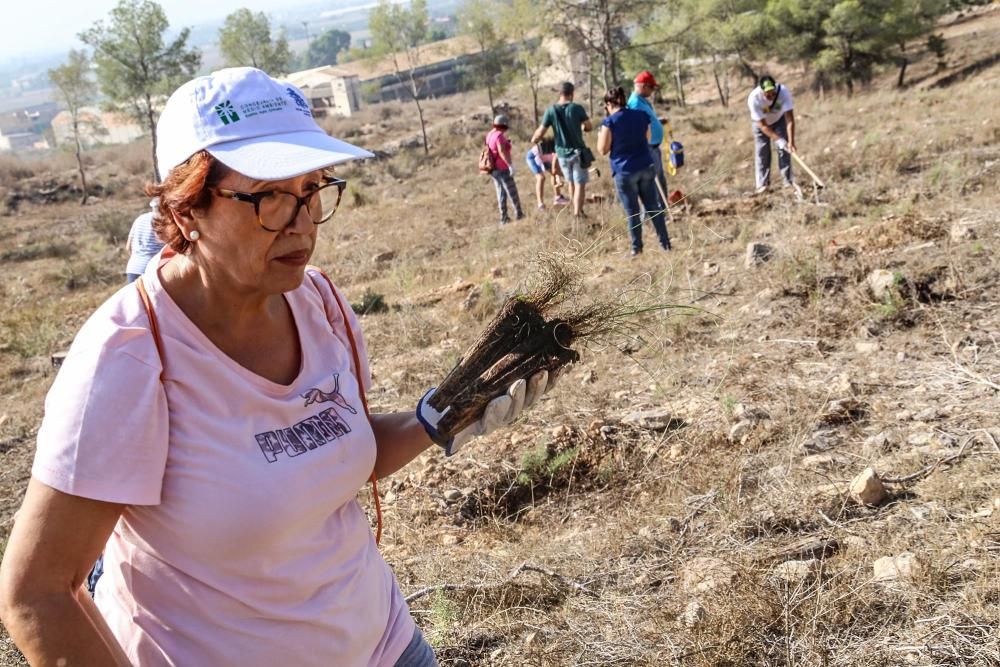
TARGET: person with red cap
(640,100)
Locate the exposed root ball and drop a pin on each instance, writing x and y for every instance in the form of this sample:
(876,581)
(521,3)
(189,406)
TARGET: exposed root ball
(525,337)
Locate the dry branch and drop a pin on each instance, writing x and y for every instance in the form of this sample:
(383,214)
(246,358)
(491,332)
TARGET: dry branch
(516,572)
(927,470)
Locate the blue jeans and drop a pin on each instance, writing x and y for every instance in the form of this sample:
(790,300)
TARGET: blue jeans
(418,653)
(641,186)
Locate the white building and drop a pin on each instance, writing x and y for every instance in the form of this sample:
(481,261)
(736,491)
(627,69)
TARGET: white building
(330,90)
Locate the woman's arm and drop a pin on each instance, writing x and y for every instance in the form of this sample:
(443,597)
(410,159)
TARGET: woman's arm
(399,438)
(604,140)
(55,541)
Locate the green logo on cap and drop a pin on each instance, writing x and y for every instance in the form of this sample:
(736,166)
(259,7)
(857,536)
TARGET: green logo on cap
(226,112)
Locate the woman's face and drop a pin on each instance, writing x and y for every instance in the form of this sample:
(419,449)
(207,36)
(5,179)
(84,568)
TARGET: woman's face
(234,247)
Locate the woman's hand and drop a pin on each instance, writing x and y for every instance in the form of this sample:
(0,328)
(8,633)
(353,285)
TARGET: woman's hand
(501,411)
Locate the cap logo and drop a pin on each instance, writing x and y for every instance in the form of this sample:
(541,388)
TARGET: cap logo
(226,112)
(300,103)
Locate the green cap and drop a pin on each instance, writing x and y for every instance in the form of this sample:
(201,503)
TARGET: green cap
(767,85)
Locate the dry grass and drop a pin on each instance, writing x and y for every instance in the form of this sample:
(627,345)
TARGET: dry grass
(825,378)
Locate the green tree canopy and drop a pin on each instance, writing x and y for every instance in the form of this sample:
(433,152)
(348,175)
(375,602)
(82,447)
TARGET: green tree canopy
(845,40)
(246,41)
(397,31)
(478,19)
(135,68)
(324,49)
(75,89)
(521,22)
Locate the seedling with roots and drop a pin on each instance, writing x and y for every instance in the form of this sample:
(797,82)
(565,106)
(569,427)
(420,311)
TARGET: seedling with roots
(532,332)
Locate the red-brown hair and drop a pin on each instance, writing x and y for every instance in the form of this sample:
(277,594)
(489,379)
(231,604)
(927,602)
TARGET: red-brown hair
(184,189)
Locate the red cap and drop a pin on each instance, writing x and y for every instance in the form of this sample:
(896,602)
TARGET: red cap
(646,78)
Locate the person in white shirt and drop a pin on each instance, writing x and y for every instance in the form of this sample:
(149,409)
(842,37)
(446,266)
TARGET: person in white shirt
(773,117)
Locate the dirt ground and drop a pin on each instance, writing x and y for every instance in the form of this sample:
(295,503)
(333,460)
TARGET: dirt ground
(683,496)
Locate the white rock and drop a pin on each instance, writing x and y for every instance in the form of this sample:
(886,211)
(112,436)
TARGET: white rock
(710,269)
(657,419)
(705,574)
(866,346)
(794,571)
(453,495)
(757,254)
(740,430)
(963,231)
(694,614)
(867,488)
(920,438)
(449,540)
(880,282)
(891,568)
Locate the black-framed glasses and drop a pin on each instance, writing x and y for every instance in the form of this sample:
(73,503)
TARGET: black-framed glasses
(276,209)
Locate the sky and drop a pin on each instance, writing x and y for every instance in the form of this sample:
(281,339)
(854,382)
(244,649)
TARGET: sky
(30,28)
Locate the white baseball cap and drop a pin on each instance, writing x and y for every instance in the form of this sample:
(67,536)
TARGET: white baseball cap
(253,124)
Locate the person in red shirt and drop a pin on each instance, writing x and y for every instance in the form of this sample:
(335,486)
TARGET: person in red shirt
(503,169)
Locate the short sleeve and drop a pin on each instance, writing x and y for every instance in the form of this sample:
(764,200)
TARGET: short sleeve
(582,113)
(105,431)
(788,103)
(547,118)
(337,307)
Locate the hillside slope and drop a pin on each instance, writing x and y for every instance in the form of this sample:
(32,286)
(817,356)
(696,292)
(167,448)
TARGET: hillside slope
(681,497)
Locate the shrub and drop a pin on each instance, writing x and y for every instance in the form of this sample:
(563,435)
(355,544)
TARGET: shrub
(113,226)
(57,249)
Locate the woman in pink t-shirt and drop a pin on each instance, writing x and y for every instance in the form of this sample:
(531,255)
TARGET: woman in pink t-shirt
(208,429)
(503,169)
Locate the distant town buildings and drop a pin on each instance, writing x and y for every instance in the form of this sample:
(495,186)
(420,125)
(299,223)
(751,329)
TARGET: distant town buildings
(23,130)
(340,89)
(96,127)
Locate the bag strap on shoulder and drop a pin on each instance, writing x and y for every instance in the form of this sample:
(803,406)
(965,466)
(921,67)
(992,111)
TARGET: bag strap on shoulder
(361,392)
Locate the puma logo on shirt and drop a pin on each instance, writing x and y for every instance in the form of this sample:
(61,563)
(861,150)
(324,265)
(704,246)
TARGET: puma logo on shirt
(311,432)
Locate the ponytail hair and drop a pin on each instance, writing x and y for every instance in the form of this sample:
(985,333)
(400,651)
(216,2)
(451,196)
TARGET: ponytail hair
(615,96)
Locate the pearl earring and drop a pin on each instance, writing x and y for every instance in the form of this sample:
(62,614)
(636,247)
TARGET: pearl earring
(195,235)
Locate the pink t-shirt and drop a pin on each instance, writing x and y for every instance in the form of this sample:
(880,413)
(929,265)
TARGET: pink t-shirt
(497,140)
(242,542)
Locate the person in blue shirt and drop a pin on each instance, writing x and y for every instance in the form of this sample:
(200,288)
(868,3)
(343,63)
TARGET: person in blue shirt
(142,244)
(640,100)
(624,135)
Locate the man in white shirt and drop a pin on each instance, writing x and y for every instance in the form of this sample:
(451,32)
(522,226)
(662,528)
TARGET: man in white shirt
(771,110)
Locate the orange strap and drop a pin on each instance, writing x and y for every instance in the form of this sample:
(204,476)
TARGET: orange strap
(364,399)
(154,328)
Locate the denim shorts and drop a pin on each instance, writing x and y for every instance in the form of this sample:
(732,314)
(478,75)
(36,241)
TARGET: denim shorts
(418,653)
(572,170)
(536,169)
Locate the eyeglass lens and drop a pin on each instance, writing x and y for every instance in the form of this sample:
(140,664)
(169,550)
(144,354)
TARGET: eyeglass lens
(279,210)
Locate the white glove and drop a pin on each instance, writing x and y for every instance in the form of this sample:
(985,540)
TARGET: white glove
(511,168)
(781,144)
(501,411)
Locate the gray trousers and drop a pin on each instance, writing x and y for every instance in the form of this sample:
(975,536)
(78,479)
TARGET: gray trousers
(762,156)
(506,188)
